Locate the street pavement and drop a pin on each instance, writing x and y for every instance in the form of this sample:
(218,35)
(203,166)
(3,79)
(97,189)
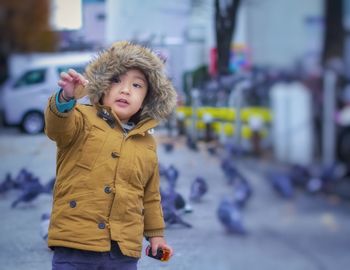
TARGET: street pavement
(305,233)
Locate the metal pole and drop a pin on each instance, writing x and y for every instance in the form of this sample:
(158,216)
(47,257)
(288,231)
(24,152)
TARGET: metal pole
(328,140)
(238,120)
(236,101)
(195,104)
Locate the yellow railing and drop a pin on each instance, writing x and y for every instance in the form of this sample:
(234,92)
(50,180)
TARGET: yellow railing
(223,119)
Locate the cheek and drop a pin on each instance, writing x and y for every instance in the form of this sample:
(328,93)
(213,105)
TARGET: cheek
(142,101)
(106,99)
(143,97)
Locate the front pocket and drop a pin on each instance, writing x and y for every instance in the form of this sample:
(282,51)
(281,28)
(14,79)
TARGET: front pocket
(92,148)
(144,164)
(76,215)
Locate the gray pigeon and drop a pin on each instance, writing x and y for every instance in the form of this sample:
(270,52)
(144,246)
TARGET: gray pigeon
(44,225)
(31,188)
(170,206)
(230,216)
(199,187)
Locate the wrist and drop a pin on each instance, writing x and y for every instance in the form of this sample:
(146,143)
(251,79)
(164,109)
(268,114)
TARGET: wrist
(66,99)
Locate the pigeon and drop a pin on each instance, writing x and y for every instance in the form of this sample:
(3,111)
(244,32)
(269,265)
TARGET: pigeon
(331,175)
(233,150)
(212,150)
(22,178)
(199,187)
(7,184)
(282,183)
(44,225)
(48,188)
(173,198)
(179,201)
(162,169)
(314,184)
(172,218)
(168,147)
(230,216)
(171,175)
(299,175)
(230,171)
(325,178)
(31,189)
(191,144)
(242,191)
(171,203)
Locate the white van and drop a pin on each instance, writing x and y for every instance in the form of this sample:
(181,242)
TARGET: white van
(24,96)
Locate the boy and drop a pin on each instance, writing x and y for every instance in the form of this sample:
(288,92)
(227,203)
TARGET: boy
(106,196)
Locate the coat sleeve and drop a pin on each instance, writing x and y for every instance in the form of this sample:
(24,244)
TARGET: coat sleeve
(60,127)
(153,220)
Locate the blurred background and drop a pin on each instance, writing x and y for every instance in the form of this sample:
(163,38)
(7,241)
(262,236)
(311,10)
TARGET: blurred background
(255,159)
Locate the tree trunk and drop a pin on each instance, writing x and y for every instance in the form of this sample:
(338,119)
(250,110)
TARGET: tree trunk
(225,24)
(24,27)
(334,31)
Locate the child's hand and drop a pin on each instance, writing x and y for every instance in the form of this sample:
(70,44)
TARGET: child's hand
(157,242)
(69,82)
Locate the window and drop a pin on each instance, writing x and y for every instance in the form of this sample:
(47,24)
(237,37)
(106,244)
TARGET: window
(31,77)
(80,69)
(101,17)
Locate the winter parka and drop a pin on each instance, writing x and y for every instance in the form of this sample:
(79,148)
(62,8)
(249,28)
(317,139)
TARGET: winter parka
(107,180)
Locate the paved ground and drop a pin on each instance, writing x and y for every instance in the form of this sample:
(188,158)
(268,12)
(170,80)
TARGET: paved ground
(307,233)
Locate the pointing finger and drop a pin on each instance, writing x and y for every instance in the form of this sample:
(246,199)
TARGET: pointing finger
(61,83)
(66,76)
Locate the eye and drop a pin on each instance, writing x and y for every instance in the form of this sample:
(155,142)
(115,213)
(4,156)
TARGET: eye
(115,79)
(137,85)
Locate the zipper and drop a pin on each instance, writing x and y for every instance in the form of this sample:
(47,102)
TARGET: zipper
(115,173)
(125,134)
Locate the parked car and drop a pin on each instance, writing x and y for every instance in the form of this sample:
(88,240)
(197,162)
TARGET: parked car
(24,97)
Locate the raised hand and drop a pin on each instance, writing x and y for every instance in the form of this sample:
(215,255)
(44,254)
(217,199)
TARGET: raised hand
(72,84)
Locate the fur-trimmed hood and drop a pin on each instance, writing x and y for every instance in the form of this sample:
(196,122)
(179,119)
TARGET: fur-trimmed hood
(116,60)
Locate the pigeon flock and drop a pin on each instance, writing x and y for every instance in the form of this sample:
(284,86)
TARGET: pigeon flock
(285,182)
(28,185)
(27,188)
(312,179)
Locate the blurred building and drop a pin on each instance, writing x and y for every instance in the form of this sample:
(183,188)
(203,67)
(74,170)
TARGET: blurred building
(182,30)
(275,33)
(278,33)
(281,32)
(81,23)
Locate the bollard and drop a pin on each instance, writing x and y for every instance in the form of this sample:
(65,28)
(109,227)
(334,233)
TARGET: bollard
(209,132)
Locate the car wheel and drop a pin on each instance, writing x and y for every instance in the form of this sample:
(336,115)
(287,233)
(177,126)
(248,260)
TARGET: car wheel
(33,123)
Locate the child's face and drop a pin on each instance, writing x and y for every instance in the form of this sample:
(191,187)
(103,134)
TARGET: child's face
(126,94)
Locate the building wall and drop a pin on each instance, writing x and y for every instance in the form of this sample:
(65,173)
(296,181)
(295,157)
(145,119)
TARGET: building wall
(134,19)
(94,22)
(168,26)
(278,32)
(281,31)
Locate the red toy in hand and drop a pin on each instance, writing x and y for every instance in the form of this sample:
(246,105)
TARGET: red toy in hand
(163,254)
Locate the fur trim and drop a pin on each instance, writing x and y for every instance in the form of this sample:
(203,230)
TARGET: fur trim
(116,60)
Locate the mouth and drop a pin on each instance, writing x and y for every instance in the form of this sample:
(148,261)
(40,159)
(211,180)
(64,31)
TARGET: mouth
(122,100)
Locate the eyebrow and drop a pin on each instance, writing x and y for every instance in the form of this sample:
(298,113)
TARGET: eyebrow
(141,78)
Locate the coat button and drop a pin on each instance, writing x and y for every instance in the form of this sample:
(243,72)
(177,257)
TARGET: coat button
(72,204)
(101,225)
(114,155)
(108,190)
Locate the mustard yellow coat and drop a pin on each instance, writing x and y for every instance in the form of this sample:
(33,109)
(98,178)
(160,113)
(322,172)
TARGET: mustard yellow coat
(107,182)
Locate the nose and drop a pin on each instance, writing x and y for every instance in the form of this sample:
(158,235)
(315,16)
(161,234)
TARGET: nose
(125,90)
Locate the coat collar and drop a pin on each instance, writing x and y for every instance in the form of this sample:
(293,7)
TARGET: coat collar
(106,113)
